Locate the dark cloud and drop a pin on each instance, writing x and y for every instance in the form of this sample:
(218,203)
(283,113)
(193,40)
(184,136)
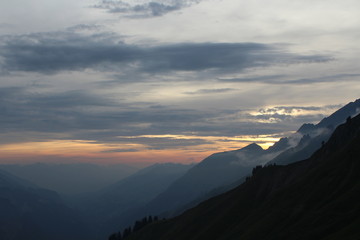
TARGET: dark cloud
(85,27)
(84,116)
(77,112)
(63,51)
(22,110)
(145,10)
(262,79)
(70,99)
(68,51)
(286,80)
(224,57)
(121,150)
(325,79)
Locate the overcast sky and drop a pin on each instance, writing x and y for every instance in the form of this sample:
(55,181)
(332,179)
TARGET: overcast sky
(111,81)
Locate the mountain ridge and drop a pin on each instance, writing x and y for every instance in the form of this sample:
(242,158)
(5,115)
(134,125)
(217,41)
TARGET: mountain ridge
(315,198)
(216,170)
(223,170)
(314,135)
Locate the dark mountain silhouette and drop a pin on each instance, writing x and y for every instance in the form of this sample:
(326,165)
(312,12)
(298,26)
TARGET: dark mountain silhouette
(215,171)
(317,198)
(80,177)
(315,135)
(121,203)
(222,171)
(214,175)
(28,212)
(338,117)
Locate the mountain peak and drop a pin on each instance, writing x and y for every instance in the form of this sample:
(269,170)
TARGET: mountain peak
(253,147)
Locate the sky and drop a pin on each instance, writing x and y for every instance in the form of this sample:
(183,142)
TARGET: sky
(145,81)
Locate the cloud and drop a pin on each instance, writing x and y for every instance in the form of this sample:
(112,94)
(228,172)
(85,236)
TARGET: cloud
(292,115)
(62,51)
(285,80)
(160,143)
(145,10)
(221,57)
(325,79)
(82,115)
(211,91)
(52,52)
(22,110)
(85,27)
(291,110)
(120,150)
(262,79)
(29,116)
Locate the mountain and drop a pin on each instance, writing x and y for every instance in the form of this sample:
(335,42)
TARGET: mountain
(121,203)
(351,109)
(313,136)
(317,198)
(29,212)
(80,177)
(221,172)
(215,171)
(307,145)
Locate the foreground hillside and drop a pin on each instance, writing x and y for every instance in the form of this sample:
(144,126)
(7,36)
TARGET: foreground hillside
(312,199)
(225,170)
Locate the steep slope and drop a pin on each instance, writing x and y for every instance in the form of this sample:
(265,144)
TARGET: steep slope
(307,145)
(224,169)
(315,135)
(28,212)
(351,109)
(317,198)
(217,170)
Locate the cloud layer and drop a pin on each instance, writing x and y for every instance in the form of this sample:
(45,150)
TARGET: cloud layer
(80,115)
(52,52)
(144,9)
(127,76)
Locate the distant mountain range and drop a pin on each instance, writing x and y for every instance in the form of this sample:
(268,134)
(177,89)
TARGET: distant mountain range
(122,202)
(317,198)
(29,212)
(80,177)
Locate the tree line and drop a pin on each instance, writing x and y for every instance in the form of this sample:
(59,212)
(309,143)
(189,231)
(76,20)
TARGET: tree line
(139,224)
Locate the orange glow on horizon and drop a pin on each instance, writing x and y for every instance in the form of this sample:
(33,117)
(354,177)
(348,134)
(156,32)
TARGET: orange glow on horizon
(108,153)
